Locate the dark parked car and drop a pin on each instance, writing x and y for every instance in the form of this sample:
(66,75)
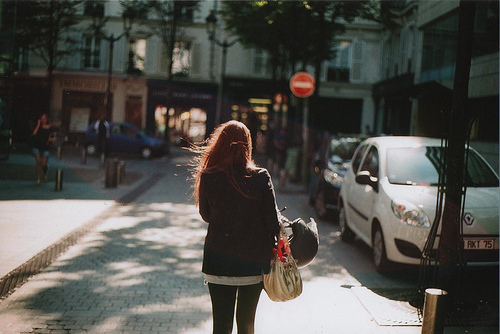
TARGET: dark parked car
(126,138)
(331,166)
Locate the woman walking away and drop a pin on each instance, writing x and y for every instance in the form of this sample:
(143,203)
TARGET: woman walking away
(237,200)
(43,135)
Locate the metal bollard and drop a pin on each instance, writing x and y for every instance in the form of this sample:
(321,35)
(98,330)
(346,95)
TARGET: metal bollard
(59,179)
(103,159)
(59,152)
(120,173)
(111,178)
(434,311)
(84,155)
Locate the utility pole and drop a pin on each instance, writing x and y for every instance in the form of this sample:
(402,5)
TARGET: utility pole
(450,244)
(211,21)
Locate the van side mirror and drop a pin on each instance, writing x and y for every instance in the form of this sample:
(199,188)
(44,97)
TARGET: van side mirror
(364,177)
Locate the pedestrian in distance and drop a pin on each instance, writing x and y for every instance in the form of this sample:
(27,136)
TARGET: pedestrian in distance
(280,147)
(237,200)
(43,135)
(102,130)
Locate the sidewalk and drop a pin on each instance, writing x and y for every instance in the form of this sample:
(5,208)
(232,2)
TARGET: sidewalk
(34,217)
(138,269)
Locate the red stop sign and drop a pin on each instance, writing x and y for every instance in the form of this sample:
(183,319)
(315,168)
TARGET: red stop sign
(302,84)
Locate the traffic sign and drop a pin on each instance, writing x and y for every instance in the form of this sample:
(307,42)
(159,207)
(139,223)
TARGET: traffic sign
(280,98)
(302,84)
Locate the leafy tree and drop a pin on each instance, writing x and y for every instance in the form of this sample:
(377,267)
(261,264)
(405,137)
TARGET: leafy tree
(44,28)
(7,36)
(165,18)
(294,33)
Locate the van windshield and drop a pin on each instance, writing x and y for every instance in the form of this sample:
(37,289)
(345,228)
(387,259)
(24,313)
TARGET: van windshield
(422,165)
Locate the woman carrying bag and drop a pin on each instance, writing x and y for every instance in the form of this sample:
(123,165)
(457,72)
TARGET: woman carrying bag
(237,200)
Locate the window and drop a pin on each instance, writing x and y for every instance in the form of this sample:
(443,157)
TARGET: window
(195,59)
(21,60)
(486,28)
(422,165)
(181,59)
(93,8)
(127,131)
(439,48)
(187,11)
(181,62)
(358,51)
(136,55)
(91,52)
(261,64)
(404,48)
(371,162)
(339,66)
(356,160)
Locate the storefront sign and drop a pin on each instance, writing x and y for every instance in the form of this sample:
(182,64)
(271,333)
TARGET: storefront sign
(86,85)
(184,95)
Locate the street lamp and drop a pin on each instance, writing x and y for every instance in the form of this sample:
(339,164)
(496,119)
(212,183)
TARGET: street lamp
(98,21)
(211,21)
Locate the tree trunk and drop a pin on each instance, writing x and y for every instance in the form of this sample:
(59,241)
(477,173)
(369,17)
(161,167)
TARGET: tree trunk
(450,242)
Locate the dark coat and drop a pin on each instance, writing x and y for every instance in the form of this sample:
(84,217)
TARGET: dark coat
(241,229)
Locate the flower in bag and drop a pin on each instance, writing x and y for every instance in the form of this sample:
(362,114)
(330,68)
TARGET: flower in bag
(282,250)
(283,281)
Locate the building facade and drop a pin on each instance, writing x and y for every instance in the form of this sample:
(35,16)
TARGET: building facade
(391,81)
(136,88)
(418,71)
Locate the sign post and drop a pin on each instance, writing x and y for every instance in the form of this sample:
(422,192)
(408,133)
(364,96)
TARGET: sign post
(302,85)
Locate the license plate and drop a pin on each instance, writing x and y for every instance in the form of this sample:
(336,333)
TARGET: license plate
(479,244)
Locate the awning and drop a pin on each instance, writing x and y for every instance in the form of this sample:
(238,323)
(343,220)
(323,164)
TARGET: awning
(430,89)
(403,87)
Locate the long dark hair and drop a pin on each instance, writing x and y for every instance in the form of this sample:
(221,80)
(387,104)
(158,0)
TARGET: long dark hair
(229,146)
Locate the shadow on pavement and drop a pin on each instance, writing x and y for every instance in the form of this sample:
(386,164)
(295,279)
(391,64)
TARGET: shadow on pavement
(476,303)
(18,175)
(143,264)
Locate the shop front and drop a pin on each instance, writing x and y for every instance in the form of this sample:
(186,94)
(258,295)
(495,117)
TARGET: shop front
(79,101)
(262,104)
(29,99)
(393,106)
(187,109)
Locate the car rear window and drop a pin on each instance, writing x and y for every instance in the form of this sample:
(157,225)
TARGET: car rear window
(421,166)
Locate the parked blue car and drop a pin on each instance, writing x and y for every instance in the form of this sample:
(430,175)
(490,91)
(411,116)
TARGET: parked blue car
(126,138)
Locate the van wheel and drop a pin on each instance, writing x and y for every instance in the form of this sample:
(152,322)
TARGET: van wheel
(382,264)
(346,234)
(146,152)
